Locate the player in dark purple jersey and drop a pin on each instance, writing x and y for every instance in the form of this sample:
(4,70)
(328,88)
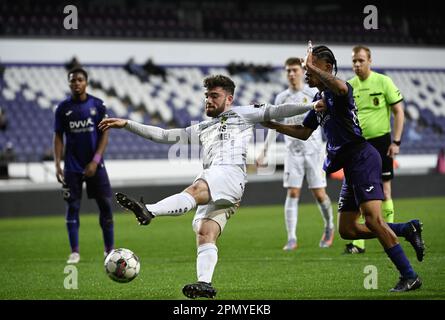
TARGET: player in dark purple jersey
(361,191)
(76,119)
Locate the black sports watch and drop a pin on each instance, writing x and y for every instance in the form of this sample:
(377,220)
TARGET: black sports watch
(397,142)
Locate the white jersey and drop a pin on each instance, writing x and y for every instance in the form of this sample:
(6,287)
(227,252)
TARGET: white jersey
(314,143)
(225,139)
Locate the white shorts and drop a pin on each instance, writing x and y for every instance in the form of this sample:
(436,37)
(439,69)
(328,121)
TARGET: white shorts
(309,165)
(226,184)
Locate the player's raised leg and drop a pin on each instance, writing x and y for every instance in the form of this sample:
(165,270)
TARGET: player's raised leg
(175,205)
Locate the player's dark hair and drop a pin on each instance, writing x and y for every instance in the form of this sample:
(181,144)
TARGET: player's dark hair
(292,61)
(78,70)
(219,80)
(324,53)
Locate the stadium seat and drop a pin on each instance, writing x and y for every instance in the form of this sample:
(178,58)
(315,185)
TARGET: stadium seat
(30,93)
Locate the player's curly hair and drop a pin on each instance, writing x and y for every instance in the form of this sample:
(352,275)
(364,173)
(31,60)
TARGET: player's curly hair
(219,80)
(324,53)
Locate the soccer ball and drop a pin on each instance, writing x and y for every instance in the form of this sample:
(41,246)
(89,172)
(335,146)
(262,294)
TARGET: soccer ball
(122,265)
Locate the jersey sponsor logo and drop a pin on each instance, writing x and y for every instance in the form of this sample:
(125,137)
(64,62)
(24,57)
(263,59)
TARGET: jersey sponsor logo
(86,125)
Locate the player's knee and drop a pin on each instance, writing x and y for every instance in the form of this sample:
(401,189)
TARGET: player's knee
(293,193)
(106,222)
(321,198)
(197,189)
(205,237)
(207,232)
(373,222)
(73,209)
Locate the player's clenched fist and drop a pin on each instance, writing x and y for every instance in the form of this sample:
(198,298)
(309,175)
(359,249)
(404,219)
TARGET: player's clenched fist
(107,123)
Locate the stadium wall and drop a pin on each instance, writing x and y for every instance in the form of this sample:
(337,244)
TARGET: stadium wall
(200,53)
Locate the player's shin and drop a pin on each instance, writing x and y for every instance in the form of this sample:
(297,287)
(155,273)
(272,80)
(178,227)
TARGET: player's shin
(73,224)
(106,223)
(398,257)
(291,217)
(175,205)
(206,261)
(325,208)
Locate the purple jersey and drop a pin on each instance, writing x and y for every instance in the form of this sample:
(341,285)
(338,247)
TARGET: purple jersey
(78,120)
(340,126)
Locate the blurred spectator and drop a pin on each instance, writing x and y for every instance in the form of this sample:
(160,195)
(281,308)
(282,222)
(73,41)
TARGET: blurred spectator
(155,70)
(74,63)
(2,70)
(250,72)
(134,68)
(3,120)
(7,155)
(440,166)
(412,133)
(48,155)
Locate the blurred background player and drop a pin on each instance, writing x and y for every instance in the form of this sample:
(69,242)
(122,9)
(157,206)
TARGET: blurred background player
(77,118)
(303,158)
(362,191)
(218,189)
(376,97)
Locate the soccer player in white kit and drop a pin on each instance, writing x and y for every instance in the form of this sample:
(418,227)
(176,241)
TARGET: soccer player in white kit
(303,158)
(218,189)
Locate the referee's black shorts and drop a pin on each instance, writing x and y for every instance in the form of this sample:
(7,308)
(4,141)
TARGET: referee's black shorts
(382,144)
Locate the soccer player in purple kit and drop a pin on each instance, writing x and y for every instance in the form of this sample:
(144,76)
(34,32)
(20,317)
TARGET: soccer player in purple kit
(77,118)
(362,190)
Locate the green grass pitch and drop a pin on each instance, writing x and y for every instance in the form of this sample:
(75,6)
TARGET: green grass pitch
(251,262)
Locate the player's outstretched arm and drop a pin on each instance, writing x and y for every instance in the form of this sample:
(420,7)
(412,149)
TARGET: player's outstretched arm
(286,110)
(296,131)
(115,123)
(267,112)
(153,133)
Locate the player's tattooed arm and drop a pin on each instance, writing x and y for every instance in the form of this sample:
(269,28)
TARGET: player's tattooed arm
(335,84)
(296,131)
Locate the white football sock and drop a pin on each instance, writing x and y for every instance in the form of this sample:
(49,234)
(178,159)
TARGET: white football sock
(175,205)
(206,261)
(291,217)
(325,208)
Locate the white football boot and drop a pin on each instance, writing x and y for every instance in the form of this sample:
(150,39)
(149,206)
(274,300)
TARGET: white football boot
(73,258)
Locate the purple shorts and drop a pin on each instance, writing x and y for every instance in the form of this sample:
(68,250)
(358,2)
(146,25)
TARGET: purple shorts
(98,186)
(363,179)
